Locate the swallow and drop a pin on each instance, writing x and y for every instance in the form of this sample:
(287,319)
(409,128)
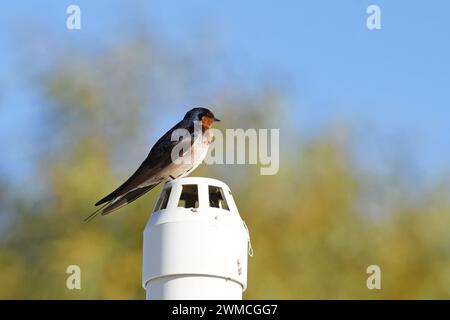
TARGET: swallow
(162,164)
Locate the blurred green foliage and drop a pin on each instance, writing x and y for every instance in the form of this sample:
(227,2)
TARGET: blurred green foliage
(311,233)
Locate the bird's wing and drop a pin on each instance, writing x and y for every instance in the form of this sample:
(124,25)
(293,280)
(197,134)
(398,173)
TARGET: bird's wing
(157,160)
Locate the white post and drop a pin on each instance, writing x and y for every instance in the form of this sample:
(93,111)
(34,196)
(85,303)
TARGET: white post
(195,243)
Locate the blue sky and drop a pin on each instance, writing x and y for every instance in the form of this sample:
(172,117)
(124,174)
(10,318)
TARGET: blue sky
(394,80)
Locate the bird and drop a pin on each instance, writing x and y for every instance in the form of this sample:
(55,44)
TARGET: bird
(162,164)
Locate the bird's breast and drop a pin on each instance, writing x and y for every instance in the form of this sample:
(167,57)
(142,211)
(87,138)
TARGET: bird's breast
(209,136)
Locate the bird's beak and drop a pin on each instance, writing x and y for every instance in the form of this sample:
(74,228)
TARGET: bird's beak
(215,119)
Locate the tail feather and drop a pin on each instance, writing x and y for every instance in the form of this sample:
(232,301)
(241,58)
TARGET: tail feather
(126,199)
(119,202)
(95,213)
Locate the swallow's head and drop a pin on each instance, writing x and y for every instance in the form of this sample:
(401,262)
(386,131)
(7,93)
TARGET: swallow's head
(201,114)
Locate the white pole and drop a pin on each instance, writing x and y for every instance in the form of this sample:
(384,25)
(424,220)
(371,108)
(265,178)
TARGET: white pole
(195,243)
